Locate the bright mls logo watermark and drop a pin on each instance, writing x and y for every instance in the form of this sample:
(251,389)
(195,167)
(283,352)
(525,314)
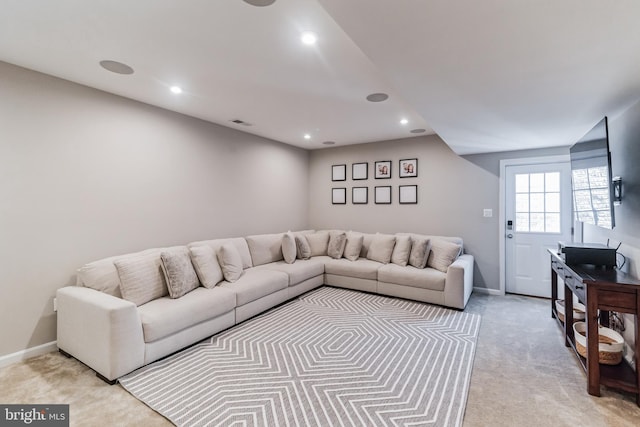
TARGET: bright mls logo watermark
(34,415)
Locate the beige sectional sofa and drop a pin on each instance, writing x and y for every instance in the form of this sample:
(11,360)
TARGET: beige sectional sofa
(130,310)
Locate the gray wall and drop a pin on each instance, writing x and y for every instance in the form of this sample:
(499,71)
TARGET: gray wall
(452,193)
(85,175)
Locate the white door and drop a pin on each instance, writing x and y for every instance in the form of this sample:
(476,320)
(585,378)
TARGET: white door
(538,214)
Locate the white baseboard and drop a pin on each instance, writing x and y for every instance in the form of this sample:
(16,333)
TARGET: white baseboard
(487,291)
(28,353)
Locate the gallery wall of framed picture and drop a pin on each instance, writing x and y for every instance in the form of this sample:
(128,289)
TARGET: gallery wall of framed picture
(407,194)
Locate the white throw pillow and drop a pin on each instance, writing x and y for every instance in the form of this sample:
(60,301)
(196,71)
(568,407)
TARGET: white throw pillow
(141,278)
(442,255)
(206,265)
(419,252)
(304,251)
(401,251)
(353,246)
(230,261)
(318,242)
(337,242)
(178,272)
(381,248)
(289,250)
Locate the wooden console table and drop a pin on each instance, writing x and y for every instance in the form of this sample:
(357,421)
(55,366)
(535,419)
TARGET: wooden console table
(605,290)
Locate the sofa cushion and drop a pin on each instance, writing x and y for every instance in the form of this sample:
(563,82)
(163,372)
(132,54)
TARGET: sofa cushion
(265,248)
(205,262)
(381,248)
(425,278)
(300,271)
(337,242)
(165,316)
(442,255)
(366,242)
(230,262)
(256,283)
(353,246)
(401,251)
(178,271)
(239,242)
(419,252)
(318,242)
(289,249)
(302,245)
(361,268)
(141,278)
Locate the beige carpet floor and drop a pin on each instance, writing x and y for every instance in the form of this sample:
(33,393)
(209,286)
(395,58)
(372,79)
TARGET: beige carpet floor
(522,376)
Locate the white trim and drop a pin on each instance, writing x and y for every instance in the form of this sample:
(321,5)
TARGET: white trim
(486,291)
(503,191)
(28,353)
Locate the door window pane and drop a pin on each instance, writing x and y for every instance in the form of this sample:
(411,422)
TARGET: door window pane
(537,201)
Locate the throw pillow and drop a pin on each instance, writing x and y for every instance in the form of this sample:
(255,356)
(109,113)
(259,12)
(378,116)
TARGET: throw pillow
(419,252)
(206,265)
(304,251)
(318,242)
(230,261)
(178,271)
(337,242)
(442,255)
(401,251)
(141,278)
(353,246)
(289,248)
(381,248)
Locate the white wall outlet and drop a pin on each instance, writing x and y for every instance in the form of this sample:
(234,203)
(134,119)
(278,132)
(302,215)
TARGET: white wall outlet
(487,213)
(55,305)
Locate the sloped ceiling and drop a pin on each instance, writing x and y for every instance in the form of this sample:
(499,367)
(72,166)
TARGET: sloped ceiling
(486,76)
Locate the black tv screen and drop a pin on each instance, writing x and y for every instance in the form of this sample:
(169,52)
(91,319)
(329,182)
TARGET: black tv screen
(591,177)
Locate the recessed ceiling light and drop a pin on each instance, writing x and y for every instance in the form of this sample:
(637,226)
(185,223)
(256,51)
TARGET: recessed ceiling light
(328,143)
(260,3)
(308,38)
(377,97)
(307,136)
(116,67)
(418,130)
(404,121)
(175,89)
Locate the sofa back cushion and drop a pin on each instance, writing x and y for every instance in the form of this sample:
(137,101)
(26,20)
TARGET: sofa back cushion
(289,248)
(141,278)
(401,251)
(337,242)
(457,240)
(318,242)
(239,242)
(179,274)
(230,262)
(443,254)
(353,245)
(205,262)
(419,251)
(265,248)
(381,248)
(367,238)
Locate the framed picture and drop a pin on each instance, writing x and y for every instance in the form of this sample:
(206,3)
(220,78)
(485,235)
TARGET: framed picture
(359,171)
(339,173)
(339,196)
(360,195)
(383,195)
(408,194)
(408,168)
(383,169)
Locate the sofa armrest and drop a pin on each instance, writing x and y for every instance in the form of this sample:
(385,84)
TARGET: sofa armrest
(459,282)
(100,330)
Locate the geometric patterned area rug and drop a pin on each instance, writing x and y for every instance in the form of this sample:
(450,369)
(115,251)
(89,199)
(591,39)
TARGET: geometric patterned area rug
(332,357)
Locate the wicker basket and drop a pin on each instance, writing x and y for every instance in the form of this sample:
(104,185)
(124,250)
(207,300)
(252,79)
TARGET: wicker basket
(609,347)
(578,310)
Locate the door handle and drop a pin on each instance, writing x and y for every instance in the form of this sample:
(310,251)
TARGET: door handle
(509,236)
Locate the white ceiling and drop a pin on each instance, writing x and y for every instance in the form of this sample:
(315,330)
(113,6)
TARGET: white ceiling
(487,75)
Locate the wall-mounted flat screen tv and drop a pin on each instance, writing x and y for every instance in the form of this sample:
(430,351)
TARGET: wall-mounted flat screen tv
(591,177)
